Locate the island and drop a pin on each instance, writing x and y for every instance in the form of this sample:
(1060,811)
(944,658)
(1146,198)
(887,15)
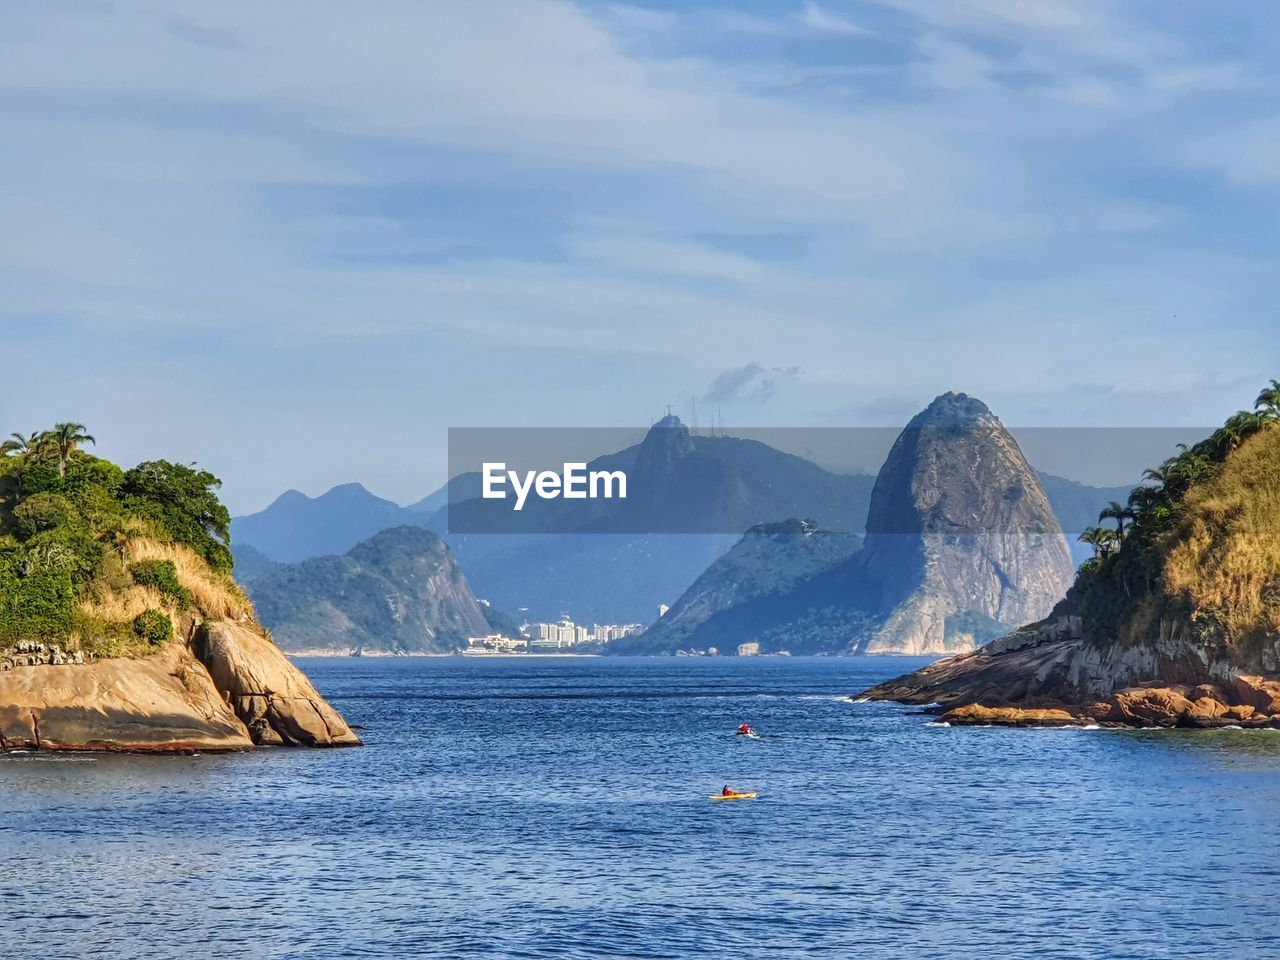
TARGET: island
(121,628)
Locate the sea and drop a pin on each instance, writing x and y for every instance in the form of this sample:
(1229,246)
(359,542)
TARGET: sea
(528,808)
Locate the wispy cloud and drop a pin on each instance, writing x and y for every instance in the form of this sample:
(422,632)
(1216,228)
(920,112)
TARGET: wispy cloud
(819,19)
(446,196)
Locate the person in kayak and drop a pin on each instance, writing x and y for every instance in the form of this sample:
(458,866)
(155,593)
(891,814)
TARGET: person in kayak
(745,730)
(728,791)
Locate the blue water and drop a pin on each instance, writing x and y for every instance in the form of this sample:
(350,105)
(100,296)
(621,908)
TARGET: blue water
(558,808)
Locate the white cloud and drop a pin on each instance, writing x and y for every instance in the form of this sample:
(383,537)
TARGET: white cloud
(819,19)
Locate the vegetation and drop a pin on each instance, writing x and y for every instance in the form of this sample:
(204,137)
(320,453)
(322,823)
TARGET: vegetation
(1200,536)
(101,559)
(153,627)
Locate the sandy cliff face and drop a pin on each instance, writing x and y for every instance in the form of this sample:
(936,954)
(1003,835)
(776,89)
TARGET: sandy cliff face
(230,689)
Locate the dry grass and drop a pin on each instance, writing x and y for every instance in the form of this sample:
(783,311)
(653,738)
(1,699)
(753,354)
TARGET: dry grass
(1228,560)
(121,606)
(214,595)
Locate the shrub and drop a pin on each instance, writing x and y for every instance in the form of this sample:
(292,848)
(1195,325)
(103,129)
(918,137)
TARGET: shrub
(153,626)
(40,606)
(40,476)
(182,500)
(163,575)
(44,511)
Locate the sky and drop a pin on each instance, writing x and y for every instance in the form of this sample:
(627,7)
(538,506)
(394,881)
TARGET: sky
(298,241)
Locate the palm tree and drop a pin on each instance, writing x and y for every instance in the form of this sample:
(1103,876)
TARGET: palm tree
(1095,537)
(1118,513)
(1268,402)
(18,444)
(65,438)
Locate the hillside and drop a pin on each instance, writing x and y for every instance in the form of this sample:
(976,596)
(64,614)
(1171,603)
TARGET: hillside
(400,591)
(1177,620)
(120,625)
(749,592)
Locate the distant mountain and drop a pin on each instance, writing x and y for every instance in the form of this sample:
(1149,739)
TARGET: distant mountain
(399,591)
(961,543)
(250,562)
(295,526)
(689,500)
(748,591)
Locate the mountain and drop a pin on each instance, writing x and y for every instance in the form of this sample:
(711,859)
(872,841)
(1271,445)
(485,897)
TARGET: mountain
(689,500)
(121,628)
(1179,626)
(295,526)
(961,543)
(749,590)
(400,591)
(251,562)
(959,528)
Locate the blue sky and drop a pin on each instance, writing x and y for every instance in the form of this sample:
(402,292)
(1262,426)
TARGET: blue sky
(297,241)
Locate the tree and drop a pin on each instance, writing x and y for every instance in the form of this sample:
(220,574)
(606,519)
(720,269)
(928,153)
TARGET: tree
(182,500)
(18,445)
(65,438)
(1117,512)
(1094,537)
(1268,402)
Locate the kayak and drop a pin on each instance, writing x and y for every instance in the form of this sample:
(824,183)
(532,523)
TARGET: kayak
(733,796)
(750,735)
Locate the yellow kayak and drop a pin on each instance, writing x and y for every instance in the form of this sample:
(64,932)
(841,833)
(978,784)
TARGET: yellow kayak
(733,796)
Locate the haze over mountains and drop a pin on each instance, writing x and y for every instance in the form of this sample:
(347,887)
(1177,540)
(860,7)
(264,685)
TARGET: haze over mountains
(605,561)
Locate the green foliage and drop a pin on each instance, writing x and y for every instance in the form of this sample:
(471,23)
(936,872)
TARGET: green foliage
(64,515)
(35,604)
(181,499)
(162,575)
(44,511)
(153,626)
(1129,566)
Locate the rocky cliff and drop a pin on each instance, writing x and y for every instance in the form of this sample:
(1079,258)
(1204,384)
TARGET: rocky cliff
(1179,626)
(961,539)
(400,591)
(229,688)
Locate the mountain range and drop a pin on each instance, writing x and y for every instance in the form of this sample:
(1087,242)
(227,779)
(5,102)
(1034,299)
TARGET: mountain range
(610,564)
(961,544)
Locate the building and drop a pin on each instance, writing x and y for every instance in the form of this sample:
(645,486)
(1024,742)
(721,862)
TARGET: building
(496,643)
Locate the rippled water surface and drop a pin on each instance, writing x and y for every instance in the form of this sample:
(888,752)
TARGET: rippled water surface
(558,808)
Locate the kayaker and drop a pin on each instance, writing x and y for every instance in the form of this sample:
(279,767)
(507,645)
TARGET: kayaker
(745,730)
(728,791)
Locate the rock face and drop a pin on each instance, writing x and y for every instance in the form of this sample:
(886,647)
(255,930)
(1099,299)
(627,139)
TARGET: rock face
(400,591)
(961,540)
(230,690)
(269,695)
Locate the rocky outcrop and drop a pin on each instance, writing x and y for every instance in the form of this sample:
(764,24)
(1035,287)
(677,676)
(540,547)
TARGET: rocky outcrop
(165,703)
(230,689)
(269,695)
(961,540)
